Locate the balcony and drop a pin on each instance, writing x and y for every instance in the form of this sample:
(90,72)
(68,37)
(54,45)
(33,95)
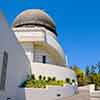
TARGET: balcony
(29,36)
(41,36)
(52,70)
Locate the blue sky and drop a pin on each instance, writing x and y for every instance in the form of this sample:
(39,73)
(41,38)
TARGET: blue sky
(77,22)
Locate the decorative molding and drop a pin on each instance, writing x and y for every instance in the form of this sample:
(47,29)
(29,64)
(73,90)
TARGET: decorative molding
(27,30)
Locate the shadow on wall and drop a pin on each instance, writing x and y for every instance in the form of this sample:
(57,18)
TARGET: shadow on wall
(18,65)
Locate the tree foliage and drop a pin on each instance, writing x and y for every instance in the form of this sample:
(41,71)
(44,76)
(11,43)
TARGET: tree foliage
(98,66)
(87,71)
(89,76)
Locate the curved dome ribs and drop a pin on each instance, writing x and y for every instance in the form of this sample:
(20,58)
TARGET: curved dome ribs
(35,17)
(33,25)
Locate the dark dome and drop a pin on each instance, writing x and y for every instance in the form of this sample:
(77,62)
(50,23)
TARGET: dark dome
(34,17)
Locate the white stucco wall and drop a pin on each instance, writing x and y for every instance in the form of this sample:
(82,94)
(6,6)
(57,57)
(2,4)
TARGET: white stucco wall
(45,94)
(94,93)
(1,61)
(29,50)
(39,53)
(28,34)
(41,35)
(52,70)
(18,66)
(35,54)
(54,43)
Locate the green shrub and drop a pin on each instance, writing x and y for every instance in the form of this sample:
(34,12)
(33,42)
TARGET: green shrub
(54,79)
(44,78)
(60,82)
(33,77)
(23,84)
(73,81)
(40,77)
(67,80)
(29,84)
(42,82)
(49,79)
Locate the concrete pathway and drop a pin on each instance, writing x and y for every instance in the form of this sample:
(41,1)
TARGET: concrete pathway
(82,95)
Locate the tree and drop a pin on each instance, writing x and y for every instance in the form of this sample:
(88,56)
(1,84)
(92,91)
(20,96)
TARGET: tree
(77,69)
(98,66)
(93,78)
(87,71)
(80,75)
(92,70)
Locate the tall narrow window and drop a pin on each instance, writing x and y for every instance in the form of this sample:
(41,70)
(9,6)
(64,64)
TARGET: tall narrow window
(3,71)
(44,59)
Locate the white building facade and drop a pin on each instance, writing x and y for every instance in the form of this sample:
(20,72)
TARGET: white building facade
(32,49)
(14,64)
(36,32)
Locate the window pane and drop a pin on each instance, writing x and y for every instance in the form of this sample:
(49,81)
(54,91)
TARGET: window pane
(44,59)
(3,71)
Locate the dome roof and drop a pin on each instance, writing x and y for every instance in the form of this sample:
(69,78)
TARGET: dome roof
(34,17)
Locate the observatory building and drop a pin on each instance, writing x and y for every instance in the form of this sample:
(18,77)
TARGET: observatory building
(31,48)
(36,32)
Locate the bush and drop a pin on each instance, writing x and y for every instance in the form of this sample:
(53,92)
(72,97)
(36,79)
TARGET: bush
(60,83)
(54,79)
(33,77)
(23,84)
(49,79)
(29,84)
(40,77)
(44,78)
(73,81)
(42,83)
(67,80)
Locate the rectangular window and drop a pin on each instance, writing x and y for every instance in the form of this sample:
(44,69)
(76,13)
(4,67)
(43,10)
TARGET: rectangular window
(3,71)
(44,59)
